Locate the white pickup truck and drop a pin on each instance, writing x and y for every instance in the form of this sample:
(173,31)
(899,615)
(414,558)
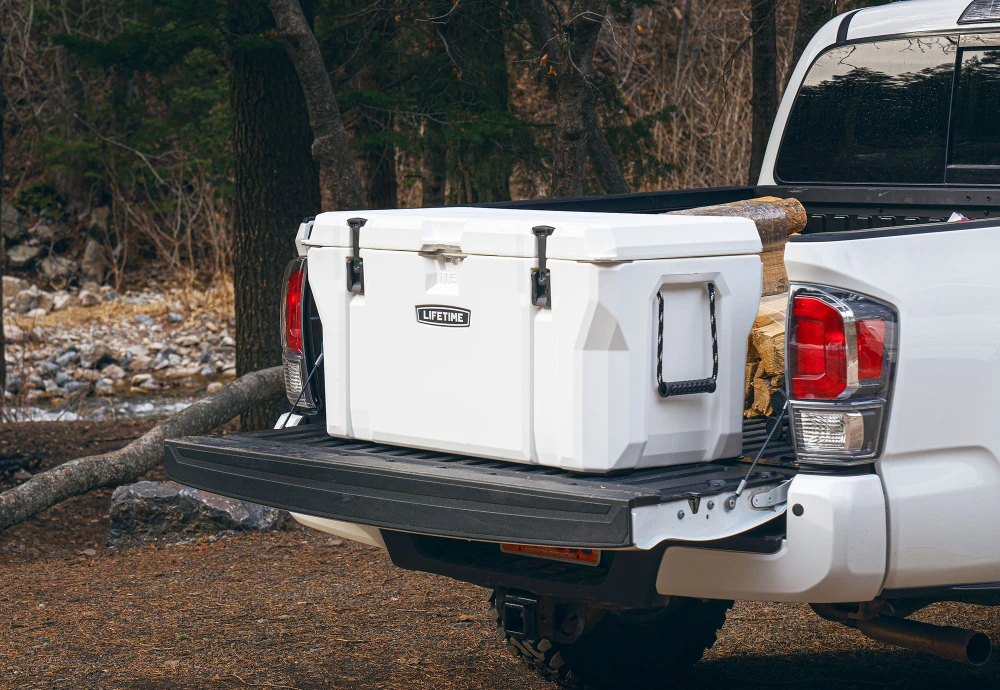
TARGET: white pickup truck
(494,395)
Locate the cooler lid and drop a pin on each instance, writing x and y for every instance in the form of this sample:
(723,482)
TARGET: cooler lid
(588,237)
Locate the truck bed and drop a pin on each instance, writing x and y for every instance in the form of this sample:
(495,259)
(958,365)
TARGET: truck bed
(304,470)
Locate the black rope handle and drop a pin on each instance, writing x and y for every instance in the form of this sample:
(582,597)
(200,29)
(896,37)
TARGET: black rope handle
(671,389)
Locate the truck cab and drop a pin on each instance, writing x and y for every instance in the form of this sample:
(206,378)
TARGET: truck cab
(611,521)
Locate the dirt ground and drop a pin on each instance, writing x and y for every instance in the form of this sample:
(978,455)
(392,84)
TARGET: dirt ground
(301,610)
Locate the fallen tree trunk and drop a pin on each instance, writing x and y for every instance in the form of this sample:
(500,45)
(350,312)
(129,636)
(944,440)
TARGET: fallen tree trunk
(128,464)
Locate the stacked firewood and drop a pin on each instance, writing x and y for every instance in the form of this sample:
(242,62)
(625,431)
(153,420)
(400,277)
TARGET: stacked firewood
(776,219)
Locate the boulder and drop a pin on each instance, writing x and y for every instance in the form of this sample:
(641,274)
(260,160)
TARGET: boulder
(56,268)
(114,372)
(99,220)
(45,301)
(10,222)
(12,334)
(22,255)
(64,300)
(94,265)
(97,355)
(26,300)
(161,511)
(12,286)
(37,313)
(88,299)
(46,234)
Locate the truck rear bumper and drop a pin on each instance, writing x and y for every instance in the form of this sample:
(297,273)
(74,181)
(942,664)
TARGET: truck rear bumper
(304,470)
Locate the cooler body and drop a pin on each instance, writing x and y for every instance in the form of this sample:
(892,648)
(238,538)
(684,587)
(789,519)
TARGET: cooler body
(446,348)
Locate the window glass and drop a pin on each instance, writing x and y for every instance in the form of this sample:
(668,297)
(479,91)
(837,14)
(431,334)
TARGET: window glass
(976,116)
(873,113)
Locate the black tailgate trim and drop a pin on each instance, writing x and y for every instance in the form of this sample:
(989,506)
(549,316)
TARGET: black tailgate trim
(306,471)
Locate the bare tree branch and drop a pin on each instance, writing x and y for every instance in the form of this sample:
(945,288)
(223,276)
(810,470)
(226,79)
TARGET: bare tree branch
(128,464)
(339,180)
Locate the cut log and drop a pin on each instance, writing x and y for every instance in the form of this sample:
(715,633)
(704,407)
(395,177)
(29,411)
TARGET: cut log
(775,218)
(765,356)
(128,464)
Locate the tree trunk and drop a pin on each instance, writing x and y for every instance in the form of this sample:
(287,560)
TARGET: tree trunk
(128,464)
(340,182)
(275,186)
(380,168)
(70,181)
(433,167)
(763,26)
(813,14)
(602,157)
(3,252)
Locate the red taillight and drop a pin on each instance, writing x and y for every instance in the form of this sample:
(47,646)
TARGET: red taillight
(871,349)
(293,308)
(818,349)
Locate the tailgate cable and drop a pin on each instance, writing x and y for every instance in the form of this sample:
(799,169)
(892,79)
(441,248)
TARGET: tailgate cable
(731,501)
(305,386)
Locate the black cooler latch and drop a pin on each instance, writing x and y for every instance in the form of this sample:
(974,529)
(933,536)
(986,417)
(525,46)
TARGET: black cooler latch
(541,282)
(355,264)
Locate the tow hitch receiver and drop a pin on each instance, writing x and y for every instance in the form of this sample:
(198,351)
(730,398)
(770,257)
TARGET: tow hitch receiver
(524,616)
(520,617)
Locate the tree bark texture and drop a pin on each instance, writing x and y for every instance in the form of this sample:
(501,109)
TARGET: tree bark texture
(276,186)
(813,14)
(340,183)
(3,251)
(775,218)
(128,464)
(602,157)
(763,26)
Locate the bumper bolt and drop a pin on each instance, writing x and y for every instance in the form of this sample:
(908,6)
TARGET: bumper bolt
(680,514)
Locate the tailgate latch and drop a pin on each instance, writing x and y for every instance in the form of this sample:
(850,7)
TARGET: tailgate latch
(355,264)
(541,283)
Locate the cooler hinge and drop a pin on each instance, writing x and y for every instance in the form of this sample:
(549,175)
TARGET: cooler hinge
(541,282)
(355,264)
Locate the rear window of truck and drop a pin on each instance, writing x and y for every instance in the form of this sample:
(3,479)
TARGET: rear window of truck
(975,130)
(873,113)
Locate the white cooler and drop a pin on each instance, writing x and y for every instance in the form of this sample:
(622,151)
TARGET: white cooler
(447,336)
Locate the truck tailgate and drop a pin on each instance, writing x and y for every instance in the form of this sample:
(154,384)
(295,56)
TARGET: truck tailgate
(306,471)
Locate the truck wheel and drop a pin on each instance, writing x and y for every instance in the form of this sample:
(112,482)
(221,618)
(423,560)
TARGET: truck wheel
(648,649)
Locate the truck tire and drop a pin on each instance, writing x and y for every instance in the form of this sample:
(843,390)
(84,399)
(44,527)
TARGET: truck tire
(648,649)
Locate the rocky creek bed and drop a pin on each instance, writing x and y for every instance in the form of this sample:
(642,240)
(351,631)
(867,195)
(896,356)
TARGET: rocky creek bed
(91,352)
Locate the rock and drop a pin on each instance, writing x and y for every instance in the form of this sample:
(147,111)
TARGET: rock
(113,372)
(145,319)
(56,268)
(147,511)
(26,300)
(140,363)
(36,382)
(188,340)
(50,369)
(10,222)
(140,379)
(175,317)
(46,234)
(205,357)
(226,341)
(45,301)
(22,255)
(88,299)
(39,334)
(12,286)
(74,386)
(37,313)
(12,334)
(89,552)
(97,355)
(68,357)
(13,383)
(94,264)
(54,388)
(137,350)
(64,300)
(89,375)
(23,475)
(213,387)
(207,370)
(104,387)
(99,219)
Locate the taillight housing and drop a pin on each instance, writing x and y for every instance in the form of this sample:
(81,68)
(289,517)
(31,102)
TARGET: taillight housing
(840,360)
(293,344)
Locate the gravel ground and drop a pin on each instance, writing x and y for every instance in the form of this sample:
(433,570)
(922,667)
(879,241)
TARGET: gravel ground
(301,610)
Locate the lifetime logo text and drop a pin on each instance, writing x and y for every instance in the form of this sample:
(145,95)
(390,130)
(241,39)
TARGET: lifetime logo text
(439,315)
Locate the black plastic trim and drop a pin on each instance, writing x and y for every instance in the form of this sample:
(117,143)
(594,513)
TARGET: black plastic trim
(845,27)
(894,232)
(986,593)
(302,469)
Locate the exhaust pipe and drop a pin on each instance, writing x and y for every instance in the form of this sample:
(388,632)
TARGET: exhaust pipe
(955,644)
